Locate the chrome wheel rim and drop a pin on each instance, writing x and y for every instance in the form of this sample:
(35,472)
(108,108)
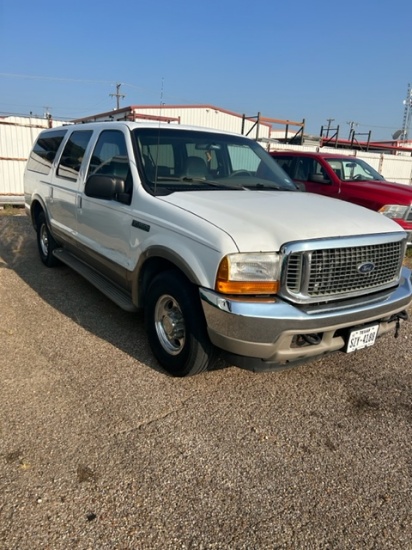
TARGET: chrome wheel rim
(170,325)
(44,240)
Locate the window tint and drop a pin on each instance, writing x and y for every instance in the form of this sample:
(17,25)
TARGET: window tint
(210,156)
(356,169)
(286,163)
(243,158)
(44,151)
(110,155)
(336,167)
(318,170)
(110,158)
(175,159)
(158,160)
(73,154)
(304,166)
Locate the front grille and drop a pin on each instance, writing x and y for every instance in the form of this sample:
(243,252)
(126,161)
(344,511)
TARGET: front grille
(409,215)
(321,273)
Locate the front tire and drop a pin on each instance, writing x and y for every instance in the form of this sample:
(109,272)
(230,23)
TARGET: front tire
(176,326)
(45,242)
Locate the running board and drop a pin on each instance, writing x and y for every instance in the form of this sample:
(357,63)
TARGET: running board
(107,288)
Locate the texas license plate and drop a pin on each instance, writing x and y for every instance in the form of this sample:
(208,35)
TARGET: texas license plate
(362,338)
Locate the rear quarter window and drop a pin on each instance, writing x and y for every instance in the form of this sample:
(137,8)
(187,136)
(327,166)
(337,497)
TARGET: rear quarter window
(44,151)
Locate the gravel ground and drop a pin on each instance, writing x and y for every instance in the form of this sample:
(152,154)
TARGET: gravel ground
(99,449)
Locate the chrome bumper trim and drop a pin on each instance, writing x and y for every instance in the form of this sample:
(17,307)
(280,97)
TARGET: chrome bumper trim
(265,329)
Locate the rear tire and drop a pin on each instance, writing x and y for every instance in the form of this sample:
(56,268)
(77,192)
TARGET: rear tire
(176,326)
(45,242)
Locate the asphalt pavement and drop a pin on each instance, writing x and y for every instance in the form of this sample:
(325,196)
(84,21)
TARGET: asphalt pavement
(99,449)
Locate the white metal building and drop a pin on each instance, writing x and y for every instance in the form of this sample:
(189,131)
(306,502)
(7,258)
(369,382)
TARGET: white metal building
(207,116)
(17,135)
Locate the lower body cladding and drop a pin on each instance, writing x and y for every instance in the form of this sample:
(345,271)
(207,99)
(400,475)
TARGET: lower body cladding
(273,334)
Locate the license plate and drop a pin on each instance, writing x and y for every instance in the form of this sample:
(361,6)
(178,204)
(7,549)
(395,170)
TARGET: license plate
(362,338)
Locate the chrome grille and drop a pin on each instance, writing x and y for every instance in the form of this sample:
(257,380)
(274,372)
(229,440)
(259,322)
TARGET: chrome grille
(324,272)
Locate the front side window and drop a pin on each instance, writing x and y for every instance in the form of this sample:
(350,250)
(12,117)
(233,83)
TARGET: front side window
(317,172)
(73,154)
(184,160)
(44,151)
(110,158)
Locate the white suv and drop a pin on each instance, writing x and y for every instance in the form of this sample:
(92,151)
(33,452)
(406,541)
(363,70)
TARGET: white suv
(212,239)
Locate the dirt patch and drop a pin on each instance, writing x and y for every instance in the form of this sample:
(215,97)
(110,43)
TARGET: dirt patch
(408,258)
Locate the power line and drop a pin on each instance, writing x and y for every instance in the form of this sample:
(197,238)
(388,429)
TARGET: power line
(61,79)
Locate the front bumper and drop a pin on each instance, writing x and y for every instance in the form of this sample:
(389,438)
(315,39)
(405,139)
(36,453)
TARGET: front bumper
(266,333)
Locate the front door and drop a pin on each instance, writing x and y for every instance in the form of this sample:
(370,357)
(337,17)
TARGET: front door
(104,226)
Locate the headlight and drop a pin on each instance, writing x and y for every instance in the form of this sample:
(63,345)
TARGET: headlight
(248,274)
(397,211)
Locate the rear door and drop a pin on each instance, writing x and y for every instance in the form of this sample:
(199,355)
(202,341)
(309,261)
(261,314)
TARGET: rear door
(64,199)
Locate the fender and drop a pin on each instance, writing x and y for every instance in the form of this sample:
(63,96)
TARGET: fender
(157,258)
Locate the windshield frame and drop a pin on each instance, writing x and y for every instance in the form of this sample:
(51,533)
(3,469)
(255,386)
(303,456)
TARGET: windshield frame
(232,162)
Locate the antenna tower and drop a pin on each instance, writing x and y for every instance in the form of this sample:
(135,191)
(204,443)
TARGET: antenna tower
(407,114)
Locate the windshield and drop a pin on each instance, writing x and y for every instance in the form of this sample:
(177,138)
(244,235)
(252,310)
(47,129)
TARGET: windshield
(184,160)
(353,169)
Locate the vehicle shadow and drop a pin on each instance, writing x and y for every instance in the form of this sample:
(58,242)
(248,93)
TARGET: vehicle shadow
(70,294)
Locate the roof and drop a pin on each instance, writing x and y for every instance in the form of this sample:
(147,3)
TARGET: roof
(310,154)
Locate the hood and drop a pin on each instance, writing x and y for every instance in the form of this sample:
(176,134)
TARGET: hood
(265,220)
(384,192)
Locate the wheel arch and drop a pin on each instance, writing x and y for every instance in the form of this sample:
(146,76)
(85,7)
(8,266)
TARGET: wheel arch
(155,261)
(37,206)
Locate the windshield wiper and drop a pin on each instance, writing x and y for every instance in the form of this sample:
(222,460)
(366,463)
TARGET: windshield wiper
(273,186)
(212,183)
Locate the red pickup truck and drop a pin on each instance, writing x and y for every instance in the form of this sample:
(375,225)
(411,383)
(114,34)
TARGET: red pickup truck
(350,179)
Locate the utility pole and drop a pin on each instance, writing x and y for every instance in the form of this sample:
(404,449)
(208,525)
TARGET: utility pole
(118,96)
(407,115)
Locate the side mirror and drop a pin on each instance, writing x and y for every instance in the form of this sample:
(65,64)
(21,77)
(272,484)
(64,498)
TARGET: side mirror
(319,178)
(104,187)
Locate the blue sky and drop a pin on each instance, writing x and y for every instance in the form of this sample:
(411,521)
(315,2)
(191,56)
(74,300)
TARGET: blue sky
(312,60)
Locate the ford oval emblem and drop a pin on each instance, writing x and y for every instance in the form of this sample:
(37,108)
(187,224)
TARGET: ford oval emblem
(366,267)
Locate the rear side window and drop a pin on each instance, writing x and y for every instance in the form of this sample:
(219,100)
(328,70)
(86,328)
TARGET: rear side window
(44,151)
(73,154)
